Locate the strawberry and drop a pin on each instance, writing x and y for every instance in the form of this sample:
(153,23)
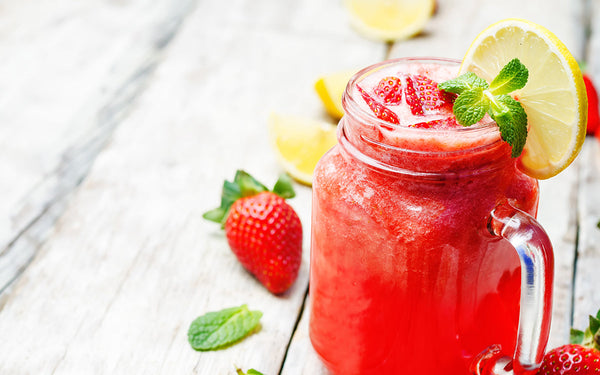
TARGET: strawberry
(389,90)
(423,95)
(262,229)
(379,109)
(593,117)
(440,123)
(581,357)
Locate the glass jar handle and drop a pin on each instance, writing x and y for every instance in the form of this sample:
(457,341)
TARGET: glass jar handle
(537,272)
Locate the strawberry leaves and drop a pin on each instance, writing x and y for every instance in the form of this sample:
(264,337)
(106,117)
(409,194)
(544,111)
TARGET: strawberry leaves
(476,98)
(590,338)
(244,185)
(283,187)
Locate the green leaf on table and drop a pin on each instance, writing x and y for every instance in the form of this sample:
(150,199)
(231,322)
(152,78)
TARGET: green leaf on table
(216,330)
(462,83)
(513,76)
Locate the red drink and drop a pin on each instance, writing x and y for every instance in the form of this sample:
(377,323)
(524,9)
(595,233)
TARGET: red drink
(405,277)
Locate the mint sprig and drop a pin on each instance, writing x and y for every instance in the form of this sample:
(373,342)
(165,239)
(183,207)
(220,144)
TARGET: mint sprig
(218,329)
(476,97)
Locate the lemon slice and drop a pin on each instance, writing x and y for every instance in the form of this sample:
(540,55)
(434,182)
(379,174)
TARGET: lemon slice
(330,89)
(389,19)
(300,143)
(554,97)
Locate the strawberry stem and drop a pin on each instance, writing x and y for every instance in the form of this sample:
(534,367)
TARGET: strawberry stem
(244,185)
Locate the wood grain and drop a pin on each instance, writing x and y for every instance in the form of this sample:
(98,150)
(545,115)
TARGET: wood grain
(65,100)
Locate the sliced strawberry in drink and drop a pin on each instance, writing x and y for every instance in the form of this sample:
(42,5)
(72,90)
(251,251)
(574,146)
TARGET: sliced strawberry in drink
(449,122)
(423,95)
(379,109)
(427,124)
(389,90)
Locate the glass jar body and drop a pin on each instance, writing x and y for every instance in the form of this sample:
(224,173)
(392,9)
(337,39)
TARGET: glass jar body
(405,277)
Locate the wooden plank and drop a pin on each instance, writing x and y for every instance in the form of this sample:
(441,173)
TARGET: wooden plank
(131,262)
(65,100)
(587,277)
(302,357)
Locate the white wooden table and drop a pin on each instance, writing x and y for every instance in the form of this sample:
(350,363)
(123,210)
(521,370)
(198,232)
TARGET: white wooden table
(119,120)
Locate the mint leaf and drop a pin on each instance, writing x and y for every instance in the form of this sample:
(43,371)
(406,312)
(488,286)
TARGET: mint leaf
(512,120)
(215,330)
(470,107)
(513,76)
(250,372)
(462,83)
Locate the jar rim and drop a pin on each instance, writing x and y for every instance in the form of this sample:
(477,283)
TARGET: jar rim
(476,149)
(351,106)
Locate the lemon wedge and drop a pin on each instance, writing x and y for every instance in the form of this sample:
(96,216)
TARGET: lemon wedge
(330,89)
(554,97)
(299,143)
(389,20)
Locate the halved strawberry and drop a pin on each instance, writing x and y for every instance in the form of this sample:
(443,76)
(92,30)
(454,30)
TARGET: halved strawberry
(263,231)
(379,109)
(389,90)
(423,95)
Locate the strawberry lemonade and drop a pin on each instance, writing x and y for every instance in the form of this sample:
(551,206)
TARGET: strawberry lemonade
(406,277)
